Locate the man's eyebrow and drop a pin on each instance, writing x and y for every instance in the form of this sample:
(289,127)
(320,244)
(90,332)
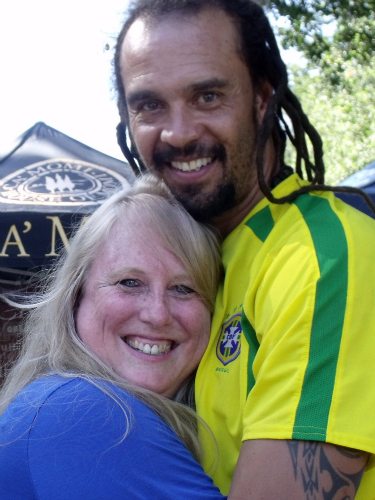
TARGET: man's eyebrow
(211,83)
(132,98)
(137,96)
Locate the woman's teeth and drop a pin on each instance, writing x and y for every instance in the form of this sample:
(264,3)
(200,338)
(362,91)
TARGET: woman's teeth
(191,166)
(152,349)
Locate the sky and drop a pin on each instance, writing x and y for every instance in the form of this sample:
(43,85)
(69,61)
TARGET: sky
(55,68)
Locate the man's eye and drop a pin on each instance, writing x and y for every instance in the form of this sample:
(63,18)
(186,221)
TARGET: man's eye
(129,283)
(148,106)
(208,98)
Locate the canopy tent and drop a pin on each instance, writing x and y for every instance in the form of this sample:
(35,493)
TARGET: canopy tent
(48,181)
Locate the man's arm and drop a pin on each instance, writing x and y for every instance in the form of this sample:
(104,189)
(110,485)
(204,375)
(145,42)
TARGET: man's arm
(296,470)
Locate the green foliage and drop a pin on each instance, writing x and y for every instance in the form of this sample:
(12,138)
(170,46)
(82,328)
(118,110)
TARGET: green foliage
(343,114)
(337,83)
(321,29)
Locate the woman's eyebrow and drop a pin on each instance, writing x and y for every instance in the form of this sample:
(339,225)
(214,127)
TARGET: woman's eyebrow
(120,272)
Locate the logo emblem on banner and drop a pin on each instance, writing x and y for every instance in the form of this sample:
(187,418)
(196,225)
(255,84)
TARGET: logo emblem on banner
(229,344)
(60,182)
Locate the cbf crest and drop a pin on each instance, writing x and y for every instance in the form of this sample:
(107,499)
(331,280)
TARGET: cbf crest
(229,344)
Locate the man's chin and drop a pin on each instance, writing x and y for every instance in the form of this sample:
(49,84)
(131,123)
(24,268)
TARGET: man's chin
(204,208)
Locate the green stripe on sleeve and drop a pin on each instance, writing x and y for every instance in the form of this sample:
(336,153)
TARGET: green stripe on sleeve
(252,340)
(332,253)
(261,223)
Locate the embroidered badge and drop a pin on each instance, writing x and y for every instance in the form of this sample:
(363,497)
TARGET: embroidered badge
(229,344)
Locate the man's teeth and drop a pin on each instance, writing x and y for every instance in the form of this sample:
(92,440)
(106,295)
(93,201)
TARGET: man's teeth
(152,349)
(190,166)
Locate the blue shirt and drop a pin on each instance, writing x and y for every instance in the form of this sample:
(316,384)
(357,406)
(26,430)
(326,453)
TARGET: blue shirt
(64,439)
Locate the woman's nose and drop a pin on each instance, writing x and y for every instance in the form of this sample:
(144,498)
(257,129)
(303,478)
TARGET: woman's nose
(155,310)
(180,128)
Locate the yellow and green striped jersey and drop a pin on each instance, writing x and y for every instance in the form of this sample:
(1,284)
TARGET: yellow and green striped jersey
(292,349)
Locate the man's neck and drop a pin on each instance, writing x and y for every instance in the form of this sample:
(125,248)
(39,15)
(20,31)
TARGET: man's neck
(229,220)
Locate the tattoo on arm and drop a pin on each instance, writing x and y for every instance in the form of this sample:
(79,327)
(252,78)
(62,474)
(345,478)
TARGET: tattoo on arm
(326,472)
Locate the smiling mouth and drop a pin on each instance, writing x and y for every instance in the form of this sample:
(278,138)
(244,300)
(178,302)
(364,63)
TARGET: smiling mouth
(148,348)
(191,166)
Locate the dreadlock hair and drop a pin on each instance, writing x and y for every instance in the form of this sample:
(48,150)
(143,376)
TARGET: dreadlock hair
(284,118)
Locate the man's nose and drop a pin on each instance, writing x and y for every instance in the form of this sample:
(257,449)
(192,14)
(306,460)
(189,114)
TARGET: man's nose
(180,128)
(156,310)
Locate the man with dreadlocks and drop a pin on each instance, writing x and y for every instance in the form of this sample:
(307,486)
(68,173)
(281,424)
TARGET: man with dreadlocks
(286,383)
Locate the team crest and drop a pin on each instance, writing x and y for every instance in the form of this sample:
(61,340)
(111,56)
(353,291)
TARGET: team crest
(229,344)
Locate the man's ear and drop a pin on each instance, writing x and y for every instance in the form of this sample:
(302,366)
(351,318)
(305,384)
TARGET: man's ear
(263,94)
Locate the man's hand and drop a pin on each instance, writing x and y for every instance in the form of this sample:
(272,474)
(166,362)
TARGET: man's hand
(296,470)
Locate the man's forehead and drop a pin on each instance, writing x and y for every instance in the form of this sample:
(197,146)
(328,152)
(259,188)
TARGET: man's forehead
(180,54)
(144,26)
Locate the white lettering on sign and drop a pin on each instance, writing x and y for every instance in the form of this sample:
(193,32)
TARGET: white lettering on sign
(13,239)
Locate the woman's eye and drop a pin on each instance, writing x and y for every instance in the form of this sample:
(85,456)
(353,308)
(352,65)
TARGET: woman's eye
(183,289)
(129,283)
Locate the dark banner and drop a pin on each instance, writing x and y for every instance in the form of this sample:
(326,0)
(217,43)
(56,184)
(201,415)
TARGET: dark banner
(34,239)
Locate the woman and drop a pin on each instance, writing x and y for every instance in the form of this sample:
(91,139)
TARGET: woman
(121,328)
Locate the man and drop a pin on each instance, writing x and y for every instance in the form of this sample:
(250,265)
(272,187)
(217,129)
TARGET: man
(286,383)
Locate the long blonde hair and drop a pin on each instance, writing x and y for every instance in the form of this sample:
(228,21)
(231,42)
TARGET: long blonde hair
(51,344)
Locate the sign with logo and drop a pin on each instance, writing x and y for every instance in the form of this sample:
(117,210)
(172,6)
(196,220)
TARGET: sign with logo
(41,204)
(60,182)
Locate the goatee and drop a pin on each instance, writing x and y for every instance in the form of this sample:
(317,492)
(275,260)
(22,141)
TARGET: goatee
(206,207)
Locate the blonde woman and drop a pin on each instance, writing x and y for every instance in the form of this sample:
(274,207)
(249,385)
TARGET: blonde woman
(89,410)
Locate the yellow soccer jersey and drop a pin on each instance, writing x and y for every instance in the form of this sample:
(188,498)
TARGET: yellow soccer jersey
(292,349)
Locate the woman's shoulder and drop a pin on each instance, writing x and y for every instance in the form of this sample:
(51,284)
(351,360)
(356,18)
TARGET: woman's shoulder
(55,396)
(53,389)
(44,387)
(81,404)
(47,389)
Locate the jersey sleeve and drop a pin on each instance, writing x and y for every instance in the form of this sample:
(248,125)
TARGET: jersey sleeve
(310,325)
(77,449)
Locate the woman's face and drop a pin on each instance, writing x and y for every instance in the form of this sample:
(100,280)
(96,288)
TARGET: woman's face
(139,311)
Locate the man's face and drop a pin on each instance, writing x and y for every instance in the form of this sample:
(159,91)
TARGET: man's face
(192,109)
